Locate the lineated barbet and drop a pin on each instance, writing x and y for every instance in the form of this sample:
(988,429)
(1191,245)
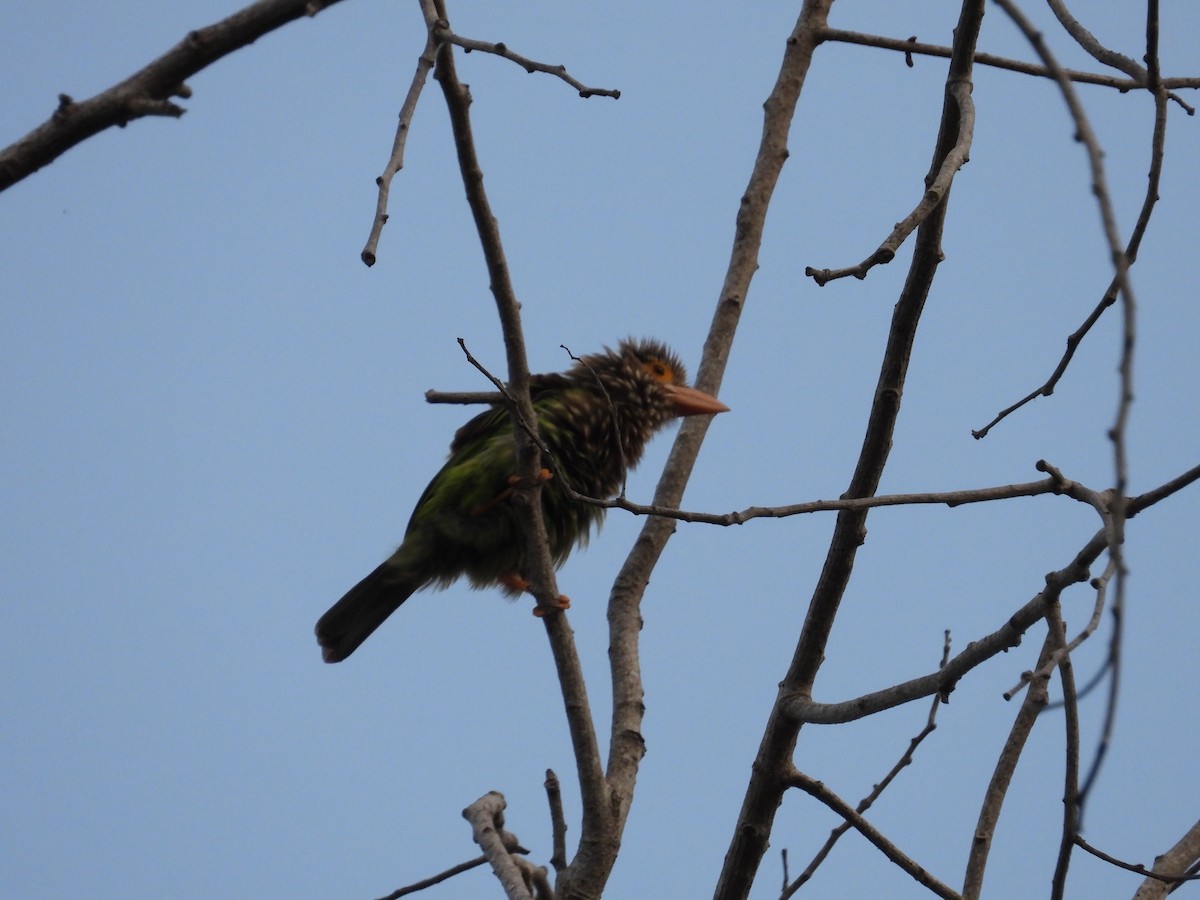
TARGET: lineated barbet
(594,419)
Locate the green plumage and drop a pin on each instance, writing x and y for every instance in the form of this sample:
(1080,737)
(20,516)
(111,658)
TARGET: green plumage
(595,419)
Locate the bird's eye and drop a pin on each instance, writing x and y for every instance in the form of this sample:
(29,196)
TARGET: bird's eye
(659,370)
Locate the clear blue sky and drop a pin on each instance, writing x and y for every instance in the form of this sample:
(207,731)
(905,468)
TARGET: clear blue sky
(214,424)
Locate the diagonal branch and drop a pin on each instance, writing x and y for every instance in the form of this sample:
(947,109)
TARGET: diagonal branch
(1109,298)
(593,789)
(942,681)
(935,191)
(529,65)
(905,760)
(773,760)
(396,160)
(819,791)
(147,92)
(1006,765)
(909,46)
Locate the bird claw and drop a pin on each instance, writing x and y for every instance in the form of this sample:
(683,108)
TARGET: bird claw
(515,582)
(522,481)
(563,602)
(515,483)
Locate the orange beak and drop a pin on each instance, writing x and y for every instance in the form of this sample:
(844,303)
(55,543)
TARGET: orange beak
(691,402)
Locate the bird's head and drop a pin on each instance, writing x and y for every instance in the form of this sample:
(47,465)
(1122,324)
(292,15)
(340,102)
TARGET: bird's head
(646,385)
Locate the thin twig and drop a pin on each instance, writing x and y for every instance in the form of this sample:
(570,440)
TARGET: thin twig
(1176,484)
(1070,800)
(1002,774)
(942,681)
(909,46)
(1101,586)
(936,188)
(529,65)
(1109,298)
(762,799)
(1134,867)
(819,791)
(148,91)
(595,792)
(464,397)
(789,889)
(1117,433)
(1093,47)
(396,160)
(424,883)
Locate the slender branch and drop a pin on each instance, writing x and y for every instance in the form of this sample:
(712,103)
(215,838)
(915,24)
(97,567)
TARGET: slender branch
(935,192)
(909,46)
(464,397)
(627,747)
(1093,47)
(424,883)
(529,65)
(1142,501)
(1191,840)
(816,789)
(1117,433)
(396,160)
(594,791)
(1150,198)
(148,91)
(1101,586)
(763,795)
(1070,800)
(1006,765)
(942,681)
(868,801)
(853,504)
(1178,864)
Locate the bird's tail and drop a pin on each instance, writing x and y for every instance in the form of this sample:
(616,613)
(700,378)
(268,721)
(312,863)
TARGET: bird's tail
(352,619)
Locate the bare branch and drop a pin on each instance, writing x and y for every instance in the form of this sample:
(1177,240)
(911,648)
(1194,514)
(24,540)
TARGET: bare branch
(909,46)
(1157,152)
(529,65)
(486,816)
(1116,505)
(396,161)
(594,790)
(935,191)
(1070,823)
(1101,586)
(463,397)
(1093,47)
(1006,765)
(147,92)
(424,883)
(942,681)
(558,822)
(1176,865)
(1142,501)
(868,801)
(816,789)
(757,816)
(1190,843)
(856,504)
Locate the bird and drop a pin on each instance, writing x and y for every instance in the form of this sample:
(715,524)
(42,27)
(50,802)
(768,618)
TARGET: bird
(594,421)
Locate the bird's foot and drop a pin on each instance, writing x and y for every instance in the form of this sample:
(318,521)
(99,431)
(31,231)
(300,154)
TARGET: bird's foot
(517,584)
(515,483)
(521,481)
(563,602)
